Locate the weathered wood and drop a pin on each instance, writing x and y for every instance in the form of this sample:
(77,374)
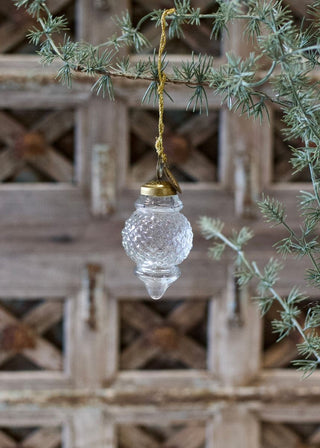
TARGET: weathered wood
(44,97)
(193,436)
(88,366)
(42,203)
(103,186)
(14,29)
(111,331)
(300,7)
(192,161)
(280,354)
(315,437)
(144,126)
(130,437)
(187,315)
(55,124)
(153,394)
(12,34)
(199,167)
(234,335)
(10,129)
(232,427)
(8,164)
(199,128)
(47,437)
(90,428)
(144,169)
(32,418)
(49,261)
(54,164)
(196,165)
(161,335)
(44,316)
(138,354)
(47,236)
(275,435)
(34,380)
(42,352)
(245,163)
(141,317)
(46,159)
(101,122)
(6,441)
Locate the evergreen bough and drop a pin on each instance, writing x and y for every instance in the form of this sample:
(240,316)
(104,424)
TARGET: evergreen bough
(292,53)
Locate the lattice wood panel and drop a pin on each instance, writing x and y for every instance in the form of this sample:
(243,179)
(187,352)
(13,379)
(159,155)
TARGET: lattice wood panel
(168,335)
(291,435)
(183,372)
(196,39)
(190,435)
(191,142)
(281,354)
(31,335)
(30,437)
(15,24)
(37,145)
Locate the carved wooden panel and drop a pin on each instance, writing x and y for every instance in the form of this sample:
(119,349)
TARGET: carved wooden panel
(31,335)
(106,367)
(15,24)
(189,435)
(281,354)
(30,437)
(37,145)
(196,39)
(163,335)
(304,435)
(191,143)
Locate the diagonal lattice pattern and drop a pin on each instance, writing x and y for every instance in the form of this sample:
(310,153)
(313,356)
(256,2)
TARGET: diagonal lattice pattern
(191,435)
(36,146)
(31,335)
(196,39)
(171,335)
(25,437)
(291,435)
(15,24)
(193,155)
(281,354)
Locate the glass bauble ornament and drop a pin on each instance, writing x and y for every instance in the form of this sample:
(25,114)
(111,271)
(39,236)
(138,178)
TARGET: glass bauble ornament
(157,237)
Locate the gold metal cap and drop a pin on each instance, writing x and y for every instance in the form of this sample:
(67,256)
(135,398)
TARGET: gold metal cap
(157,188)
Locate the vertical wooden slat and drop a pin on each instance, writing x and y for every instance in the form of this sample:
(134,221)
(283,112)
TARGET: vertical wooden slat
(245,144)
(111,337)
(233,427)
(234,336)
(88,341)
(103,192)
(102,121)
(90,428)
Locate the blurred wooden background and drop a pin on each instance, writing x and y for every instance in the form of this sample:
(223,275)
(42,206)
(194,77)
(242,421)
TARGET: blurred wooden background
(86,359)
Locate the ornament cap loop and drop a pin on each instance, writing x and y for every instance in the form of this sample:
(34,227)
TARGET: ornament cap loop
(158,188)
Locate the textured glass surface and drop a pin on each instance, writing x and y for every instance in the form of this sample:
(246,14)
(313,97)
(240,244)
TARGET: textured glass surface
(157,237)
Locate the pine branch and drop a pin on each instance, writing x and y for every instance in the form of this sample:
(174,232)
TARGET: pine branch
(267,294)
(292,53)
(77,57)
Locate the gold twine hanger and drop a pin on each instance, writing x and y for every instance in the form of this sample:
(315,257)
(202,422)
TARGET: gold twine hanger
(162,165)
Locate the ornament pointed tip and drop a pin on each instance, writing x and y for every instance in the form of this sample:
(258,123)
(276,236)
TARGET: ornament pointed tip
(156,288)
(156,284)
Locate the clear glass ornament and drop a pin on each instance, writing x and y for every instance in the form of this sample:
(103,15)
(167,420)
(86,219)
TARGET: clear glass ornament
(157,237)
